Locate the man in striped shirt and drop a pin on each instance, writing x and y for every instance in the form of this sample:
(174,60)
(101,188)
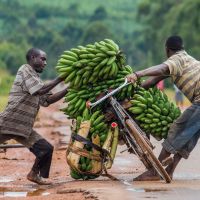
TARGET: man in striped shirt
(185,131)
(16,122)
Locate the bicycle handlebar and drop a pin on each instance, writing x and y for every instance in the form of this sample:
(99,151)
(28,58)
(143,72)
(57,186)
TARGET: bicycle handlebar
(89,104)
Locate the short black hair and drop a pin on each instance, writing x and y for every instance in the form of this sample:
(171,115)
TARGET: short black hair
(32,52)
(175,43)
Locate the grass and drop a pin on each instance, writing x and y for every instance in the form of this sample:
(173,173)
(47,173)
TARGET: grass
(3,102)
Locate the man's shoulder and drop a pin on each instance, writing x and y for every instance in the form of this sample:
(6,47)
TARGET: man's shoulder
(22,69)
(26,69)
(179,55)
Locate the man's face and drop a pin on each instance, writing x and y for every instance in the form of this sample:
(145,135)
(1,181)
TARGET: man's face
(39,62)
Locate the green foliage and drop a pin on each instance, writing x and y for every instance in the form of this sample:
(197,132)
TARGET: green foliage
(6,81)
(164,18)
(139,27)
(3,102)
(12,56)
(96,31)
(55,26)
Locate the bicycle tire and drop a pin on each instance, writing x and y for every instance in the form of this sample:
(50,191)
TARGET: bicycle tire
(148,151)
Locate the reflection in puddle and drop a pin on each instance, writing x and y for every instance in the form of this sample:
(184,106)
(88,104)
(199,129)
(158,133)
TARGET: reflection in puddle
(130,187)
(155,190)
(13,194)
(187,176)
(9,192)
(38,192)
(5,179)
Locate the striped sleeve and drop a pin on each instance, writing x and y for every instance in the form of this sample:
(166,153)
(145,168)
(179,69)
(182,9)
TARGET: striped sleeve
(175,64)
(33,83)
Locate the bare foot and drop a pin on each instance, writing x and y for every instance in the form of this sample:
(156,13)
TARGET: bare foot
(149,175)
(33,177)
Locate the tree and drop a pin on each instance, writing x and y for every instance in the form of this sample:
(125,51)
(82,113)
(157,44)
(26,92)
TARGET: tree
(12,55)
(99,14)
(96,31)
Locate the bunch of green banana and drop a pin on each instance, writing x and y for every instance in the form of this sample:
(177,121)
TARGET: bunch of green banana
(77,97)
(91,63)
(153,111)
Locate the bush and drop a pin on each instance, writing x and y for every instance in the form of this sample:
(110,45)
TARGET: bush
(6,81)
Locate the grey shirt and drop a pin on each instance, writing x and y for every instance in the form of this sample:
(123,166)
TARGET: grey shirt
(20,113)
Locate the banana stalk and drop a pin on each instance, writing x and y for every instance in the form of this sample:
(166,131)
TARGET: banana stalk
(96,165)
(113,147)
(83,131)
(107,143)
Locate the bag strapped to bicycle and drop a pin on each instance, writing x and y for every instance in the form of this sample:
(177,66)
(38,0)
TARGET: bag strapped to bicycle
(99,156)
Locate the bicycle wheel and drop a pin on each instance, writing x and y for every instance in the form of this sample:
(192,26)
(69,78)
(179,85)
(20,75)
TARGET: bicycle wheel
(148,152)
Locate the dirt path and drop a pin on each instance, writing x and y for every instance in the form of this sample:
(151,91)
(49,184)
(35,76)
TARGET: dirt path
(53,125)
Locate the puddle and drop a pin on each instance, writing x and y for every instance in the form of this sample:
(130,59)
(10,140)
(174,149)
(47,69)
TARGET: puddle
(5,179)
(155,190)
(129,187)
(180,193)
(187,176)
(8,192)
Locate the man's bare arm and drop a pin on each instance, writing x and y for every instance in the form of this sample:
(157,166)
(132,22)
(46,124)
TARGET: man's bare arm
(150,82)
(57,96)
(158,70)
(49,86)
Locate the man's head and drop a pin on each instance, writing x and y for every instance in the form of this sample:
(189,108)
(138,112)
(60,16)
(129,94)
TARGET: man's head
(36,58)
(173,44)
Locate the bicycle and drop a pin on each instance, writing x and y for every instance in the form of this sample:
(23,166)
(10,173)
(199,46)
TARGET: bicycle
(133,136)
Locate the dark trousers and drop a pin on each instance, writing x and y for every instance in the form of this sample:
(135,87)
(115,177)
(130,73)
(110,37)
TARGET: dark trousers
(43,152)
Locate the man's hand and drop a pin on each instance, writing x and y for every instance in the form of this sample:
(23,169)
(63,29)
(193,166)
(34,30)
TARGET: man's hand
(132,77)
(60,78)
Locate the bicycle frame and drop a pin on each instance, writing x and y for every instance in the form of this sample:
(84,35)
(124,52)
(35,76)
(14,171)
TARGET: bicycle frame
(123,116)
(135,139)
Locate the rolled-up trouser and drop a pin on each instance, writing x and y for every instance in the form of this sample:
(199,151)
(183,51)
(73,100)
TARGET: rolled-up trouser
(184,132)
(42,149)
(43,152)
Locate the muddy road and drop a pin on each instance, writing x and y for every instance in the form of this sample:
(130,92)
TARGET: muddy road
(53,125)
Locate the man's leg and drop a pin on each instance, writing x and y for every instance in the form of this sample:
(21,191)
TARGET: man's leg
(43,152)
(180,133)
(4,138)
(172,166)
(186,150)
(151,174)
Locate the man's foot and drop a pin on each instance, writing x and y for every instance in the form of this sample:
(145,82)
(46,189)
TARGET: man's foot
(33,177)
(149,175)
